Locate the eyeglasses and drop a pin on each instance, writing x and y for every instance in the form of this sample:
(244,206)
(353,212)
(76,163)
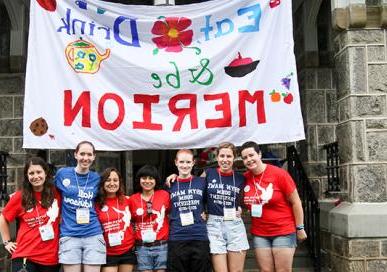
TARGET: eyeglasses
(149,207)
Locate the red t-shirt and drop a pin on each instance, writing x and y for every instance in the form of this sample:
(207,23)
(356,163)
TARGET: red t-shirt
(29,242)
(270,188)
(115,217)
(158,220)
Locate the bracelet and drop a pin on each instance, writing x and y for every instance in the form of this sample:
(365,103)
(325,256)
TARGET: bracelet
(300,227)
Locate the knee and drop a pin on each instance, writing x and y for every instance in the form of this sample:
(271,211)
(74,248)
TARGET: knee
(266,269)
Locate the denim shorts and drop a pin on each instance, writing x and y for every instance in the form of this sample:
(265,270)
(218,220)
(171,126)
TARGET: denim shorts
(152,258)
(282,241)
(226,235)
(82,250)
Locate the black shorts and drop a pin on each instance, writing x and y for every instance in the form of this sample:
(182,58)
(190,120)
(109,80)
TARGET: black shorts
(188,256)
(17,264)
(128,257)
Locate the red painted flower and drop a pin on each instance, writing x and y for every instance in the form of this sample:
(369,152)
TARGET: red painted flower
(172,33)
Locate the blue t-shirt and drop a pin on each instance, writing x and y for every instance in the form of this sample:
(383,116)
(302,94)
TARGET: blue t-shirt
(77,195)
(187,195)
(223,190)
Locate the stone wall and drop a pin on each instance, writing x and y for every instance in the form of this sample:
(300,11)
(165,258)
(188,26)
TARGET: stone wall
(362,113)
(356,238)
(11,113)
(318,103)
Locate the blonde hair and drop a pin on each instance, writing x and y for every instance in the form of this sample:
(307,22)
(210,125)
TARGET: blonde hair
(188,151)
(226,145)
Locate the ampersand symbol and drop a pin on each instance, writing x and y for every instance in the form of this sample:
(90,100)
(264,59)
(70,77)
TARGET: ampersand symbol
(197,76)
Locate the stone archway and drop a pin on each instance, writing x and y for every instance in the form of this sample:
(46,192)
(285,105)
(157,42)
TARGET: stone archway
(18,36)
(5,33)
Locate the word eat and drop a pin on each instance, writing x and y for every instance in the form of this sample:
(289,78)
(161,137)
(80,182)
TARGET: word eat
(82,106)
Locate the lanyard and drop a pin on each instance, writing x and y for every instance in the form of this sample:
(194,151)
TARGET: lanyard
(142,207)
(259,184)
(233,180)
(189,188)
(76,178)
(107,213)
(37,213)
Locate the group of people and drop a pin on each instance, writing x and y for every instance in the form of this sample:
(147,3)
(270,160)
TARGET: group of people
(85,222)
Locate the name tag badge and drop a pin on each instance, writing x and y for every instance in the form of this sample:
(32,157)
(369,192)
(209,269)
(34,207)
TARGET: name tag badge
(46,232)
(83,216)
(114,239)
(148,236)
(229,214)
(186,219)
(256,210)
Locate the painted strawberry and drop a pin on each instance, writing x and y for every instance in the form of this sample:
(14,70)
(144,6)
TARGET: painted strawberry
(288,98)
(49,5)
(274,3)
(275,96)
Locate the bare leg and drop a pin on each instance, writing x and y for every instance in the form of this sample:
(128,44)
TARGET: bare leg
(72,267)
(125,268)
(265,259)
(236,260)
(160,270)
(91,268)
(109,269)
(219,262)
(283,259)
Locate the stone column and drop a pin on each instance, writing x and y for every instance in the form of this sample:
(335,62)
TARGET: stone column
(358,232)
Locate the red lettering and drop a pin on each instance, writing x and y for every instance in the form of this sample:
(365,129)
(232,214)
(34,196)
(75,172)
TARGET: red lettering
(181,113)
(101,111)
(82,104)
(147,101)
(224,107)
(258,98)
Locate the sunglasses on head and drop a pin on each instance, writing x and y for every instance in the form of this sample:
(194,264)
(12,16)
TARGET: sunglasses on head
(149,207)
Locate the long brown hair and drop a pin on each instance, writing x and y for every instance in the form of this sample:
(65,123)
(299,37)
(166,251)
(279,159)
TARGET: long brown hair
(101,196)
(28,198)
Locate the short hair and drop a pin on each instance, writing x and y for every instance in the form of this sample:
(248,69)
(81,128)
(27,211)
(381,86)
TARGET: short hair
(189,151)
(148,171)
(251,144)
(227,145)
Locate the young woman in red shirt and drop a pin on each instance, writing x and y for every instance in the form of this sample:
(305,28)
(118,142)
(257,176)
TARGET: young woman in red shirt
(150,209)
(276,211)
(112,206)
(36,207)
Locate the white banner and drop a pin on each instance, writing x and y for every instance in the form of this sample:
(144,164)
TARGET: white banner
(160,77)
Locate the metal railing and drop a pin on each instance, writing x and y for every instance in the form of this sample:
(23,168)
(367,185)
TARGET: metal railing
(310,205)
(3,178)
(332,150)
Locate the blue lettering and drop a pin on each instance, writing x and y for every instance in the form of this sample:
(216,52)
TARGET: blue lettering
(82,25)
(220,29)
(66,23)
(107,36)
(133,28)
(208,28)
(256,16)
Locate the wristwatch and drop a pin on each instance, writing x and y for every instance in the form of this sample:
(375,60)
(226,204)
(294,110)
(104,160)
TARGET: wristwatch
(300,227)
(6,242)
